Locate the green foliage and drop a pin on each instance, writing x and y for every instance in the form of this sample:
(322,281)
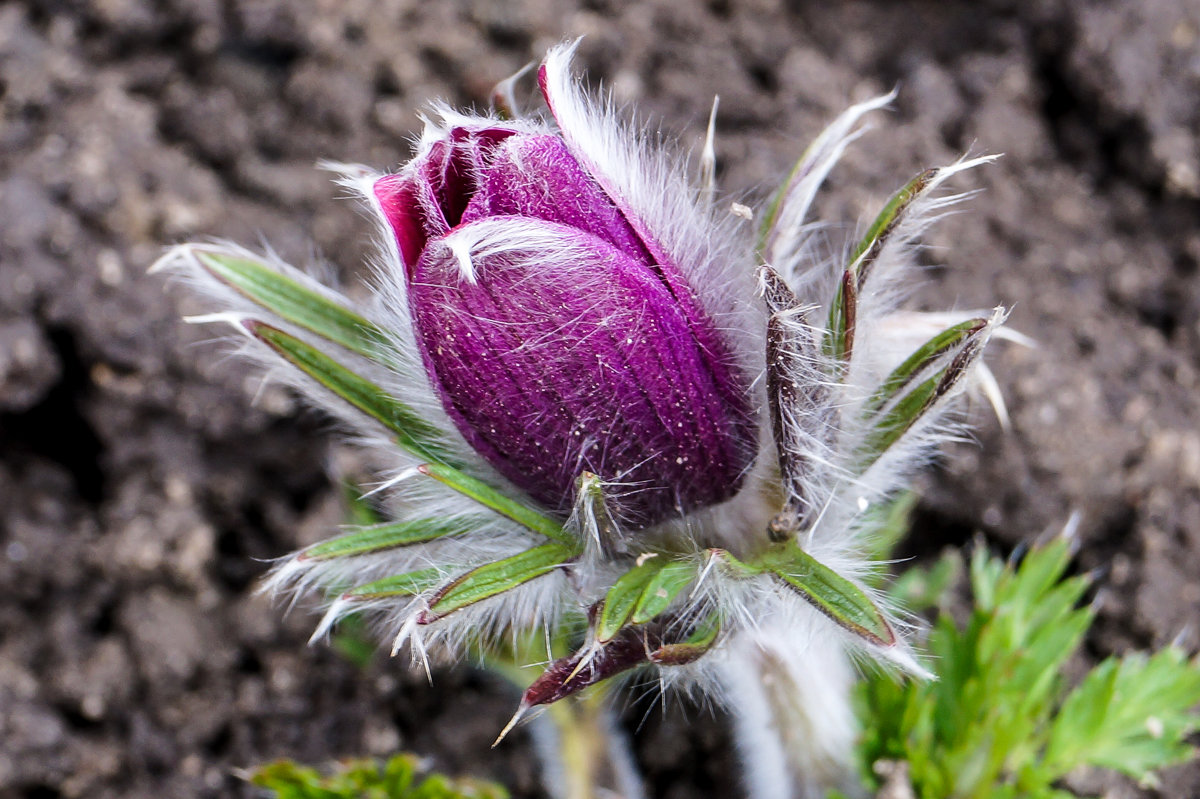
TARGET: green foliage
(1003,721)
(398,778)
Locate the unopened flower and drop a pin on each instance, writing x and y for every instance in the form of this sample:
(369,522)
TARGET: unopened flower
(602,402)
(559,328)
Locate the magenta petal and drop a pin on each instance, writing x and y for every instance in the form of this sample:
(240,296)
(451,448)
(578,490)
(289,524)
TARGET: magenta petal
(426,200)
(563,192)
(550,369)
(398,200)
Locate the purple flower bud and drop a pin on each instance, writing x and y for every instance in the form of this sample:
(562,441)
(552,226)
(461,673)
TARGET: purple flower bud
(559,336)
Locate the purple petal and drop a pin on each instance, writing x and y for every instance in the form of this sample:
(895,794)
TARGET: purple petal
(672,274)
(561,192)
(553,368)
(398,200)
(429,198)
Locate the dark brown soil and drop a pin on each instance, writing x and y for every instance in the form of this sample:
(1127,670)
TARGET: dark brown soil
(140,486)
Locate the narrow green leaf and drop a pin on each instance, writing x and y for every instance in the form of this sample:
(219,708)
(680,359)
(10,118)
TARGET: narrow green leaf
(489,497)
(834,595)
(839,343)
(910,407)
(495,578)
(892,214)
(407,584)
(662,588)
(792,198)
(315,312)
(899,420)
(387,536)
(622,598)
(293,301)
(412,432)
(924,358)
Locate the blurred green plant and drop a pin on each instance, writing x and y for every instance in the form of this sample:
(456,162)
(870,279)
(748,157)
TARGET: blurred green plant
(397,778)
(1003,720)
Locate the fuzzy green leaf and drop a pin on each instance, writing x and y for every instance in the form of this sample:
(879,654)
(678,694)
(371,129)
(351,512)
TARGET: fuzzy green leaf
(495,578)
(407,584)
(922,360)
(843,310)
(622,598)
(835,596)
(287,298)
(899,420)
(881,228)
(412,432)
(664,585)
(489,497)
(388,536)
(908,409)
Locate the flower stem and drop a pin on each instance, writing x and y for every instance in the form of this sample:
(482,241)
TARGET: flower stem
(585,755)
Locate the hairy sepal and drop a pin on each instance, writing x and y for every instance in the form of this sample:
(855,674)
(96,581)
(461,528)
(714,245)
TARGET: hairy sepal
(262,283)
(491,579)
(381,537)
(906,398)
(782,229)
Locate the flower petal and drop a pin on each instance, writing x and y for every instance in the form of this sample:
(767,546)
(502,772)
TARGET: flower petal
(580,360)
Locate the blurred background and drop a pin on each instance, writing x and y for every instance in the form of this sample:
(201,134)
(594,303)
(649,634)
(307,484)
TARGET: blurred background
(142,485)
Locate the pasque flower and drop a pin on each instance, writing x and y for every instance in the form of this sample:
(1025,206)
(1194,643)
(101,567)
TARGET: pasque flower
(561,334)
(601,401)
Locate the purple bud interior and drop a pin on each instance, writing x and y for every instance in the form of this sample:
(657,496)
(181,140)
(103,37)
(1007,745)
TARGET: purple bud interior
(574,349)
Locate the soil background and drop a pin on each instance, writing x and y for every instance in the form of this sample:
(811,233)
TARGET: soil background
(141,486)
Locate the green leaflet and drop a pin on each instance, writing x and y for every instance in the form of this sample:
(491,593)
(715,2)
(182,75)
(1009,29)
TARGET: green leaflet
(892,214)
(843,310)
(489,497)
(896,422)
(407,584)
(925,357)
(662,588)
(907,411)
(387,536)
(293,301)
(1129,714)
(834,595)
(1002,720)
(412,432)
(622,598)
(495,578)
